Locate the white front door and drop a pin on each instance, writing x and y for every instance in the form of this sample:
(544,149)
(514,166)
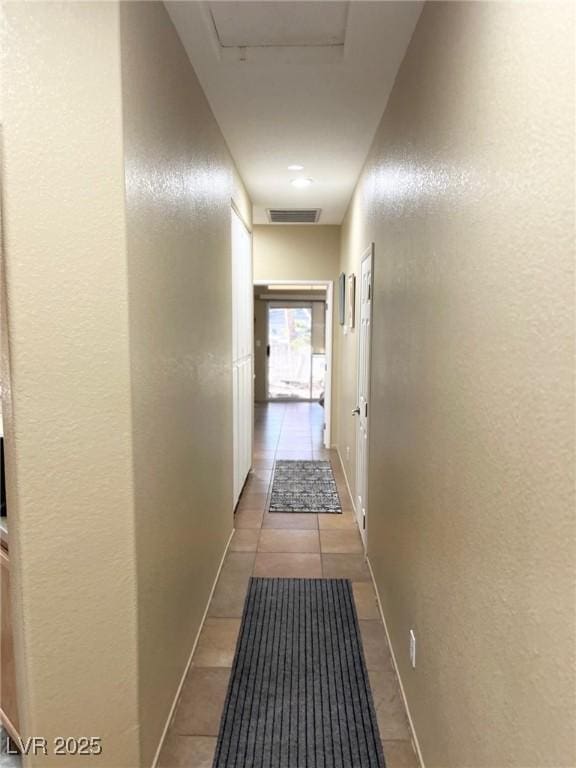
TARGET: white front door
(289,351)
(362,410)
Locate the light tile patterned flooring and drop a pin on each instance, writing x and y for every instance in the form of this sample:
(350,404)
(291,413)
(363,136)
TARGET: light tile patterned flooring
(285,545)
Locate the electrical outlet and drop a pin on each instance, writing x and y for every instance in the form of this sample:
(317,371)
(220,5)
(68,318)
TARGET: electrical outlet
(412,649)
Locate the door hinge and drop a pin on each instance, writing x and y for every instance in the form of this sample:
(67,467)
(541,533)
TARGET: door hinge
(365,410)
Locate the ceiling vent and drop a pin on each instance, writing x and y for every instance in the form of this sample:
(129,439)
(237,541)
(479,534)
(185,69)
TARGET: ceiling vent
(294,216)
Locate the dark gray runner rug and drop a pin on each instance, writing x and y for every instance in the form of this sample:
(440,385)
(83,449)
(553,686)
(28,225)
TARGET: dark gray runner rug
(304,486)
(299,695)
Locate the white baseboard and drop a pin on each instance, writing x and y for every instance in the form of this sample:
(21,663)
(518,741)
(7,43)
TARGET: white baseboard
(189,662)
(415,743)
(347,483)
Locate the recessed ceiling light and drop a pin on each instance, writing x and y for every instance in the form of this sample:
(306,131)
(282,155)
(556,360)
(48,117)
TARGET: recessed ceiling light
(296,167)
(301,182)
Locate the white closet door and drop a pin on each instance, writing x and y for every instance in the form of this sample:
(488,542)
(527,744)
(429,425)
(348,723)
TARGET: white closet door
(236,452)
(246,453)
(235,298)
(242,352)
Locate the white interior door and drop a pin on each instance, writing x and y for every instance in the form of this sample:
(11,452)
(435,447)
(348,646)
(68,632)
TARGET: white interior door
(242,351)
(362,410)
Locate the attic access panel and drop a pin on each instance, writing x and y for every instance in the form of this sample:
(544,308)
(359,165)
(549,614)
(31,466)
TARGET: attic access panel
(253,24)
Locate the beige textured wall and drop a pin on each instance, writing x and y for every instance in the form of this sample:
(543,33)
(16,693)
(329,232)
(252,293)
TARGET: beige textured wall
(468,194)
(179,184)
(296,252)
(117,187)
(67,407)
(306,252)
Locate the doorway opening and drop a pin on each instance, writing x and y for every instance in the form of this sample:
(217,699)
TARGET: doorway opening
(296,349)
(293,343)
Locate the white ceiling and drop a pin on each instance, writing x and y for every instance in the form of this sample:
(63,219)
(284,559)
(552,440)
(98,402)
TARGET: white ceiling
(297,82)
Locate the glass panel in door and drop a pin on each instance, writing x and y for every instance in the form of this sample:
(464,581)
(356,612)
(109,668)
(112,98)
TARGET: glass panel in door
(289,352)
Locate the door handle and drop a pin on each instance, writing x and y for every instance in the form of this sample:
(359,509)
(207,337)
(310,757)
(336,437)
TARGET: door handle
(356,411)
(267,350)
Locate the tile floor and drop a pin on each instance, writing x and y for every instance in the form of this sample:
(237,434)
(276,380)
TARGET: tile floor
(286,545)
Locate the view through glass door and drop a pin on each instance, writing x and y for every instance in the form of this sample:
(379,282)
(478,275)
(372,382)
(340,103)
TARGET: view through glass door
(296,361)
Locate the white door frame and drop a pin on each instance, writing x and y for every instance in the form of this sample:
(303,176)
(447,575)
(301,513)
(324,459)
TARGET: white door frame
(362,509)
(328,286)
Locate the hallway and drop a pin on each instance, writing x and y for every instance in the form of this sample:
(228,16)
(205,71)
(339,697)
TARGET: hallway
(283,545)
(210,204)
